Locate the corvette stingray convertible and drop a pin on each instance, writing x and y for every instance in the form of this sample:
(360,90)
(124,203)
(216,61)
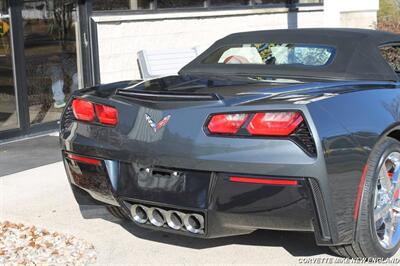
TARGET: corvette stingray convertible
(284,130)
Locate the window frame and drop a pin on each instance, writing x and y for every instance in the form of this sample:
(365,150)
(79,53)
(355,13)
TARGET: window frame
(207,6)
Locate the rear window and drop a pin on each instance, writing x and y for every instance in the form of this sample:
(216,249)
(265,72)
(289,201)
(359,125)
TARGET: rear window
(273,54)
(392,56)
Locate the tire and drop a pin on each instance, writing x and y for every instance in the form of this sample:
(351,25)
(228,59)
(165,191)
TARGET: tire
(367,243)
(117,212)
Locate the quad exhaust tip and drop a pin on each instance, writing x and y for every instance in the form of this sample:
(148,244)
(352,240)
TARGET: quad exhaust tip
(156,216)
(139,213)
(175,220)
(191,222)
(194,223)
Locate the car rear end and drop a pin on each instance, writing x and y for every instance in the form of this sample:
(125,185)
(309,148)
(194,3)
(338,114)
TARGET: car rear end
(201,165)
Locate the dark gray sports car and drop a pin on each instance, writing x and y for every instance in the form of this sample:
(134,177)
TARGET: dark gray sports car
(285,130)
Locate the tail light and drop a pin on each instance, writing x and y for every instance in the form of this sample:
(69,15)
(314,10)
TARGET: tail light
(274,124)
(90,112)
(107,115)
(83,110)
(259,124)
(226,123)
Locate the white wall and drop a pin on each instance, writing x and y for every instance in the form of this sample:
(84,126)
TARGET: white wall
(351,13)
(119,43)
(121,37)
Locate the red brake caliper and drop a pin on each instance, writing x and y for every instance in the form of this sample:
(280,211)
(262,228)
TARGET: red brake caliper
(397,192)
(396,195)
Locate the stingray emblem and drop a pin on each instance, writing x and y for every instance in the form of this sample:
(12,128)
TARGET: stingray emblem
(157,126)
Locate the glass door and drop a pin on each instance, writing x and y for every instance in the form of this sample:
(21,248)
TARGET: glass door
(8,104)
(49,30)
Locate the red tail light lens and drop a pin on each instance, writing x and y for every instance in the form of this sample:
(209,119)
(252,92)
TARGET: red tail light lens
(274,123)
(226,123)
(83,110)
(88,111)
(106,114)
(261,124)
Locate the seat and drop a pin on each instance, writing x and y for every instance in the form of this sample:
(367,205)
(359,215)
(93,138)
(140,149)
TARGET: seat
(160,63)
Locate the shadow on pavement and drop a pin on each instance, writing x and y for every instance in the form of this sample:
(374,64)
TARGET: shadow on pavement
(298,244)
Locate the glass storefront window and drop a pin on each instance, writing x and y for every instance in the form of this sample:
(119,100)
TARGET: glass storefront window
(308,1)
(230,2)
(179,3)
(50,54)
(102,5)
(269,2)
(99,5)
(8,106)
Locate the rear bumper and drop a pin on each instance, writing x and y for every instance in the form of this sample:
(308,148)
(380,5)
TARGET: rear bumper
(228,208)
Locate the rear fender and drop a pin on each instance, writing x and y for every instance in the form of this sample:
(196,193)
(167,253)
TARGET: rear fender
(361,119)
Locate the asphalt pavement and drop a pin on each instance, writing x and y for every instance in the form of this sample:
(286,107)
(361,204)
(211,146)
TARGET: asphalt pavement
(17,156)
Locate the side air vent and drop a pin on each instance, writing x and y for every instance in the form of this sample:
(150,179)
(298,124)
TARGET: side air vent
(320,207)
(67,118)
(167,96)
(303,137)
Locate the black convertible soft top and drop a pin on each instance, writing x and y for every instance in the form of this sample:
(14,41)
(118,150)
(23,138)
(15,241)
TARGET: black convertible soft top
(357,57)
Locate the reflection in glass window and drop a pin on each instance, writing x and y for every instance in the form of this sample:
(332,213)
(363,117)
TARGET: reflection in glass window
(287,2)
(392,56)
(3,6)
(230,2)
(273,54)
(140,4)
(267,2)
(8,104)
(179,3)
(99,5)
(308,1)
(50,55)
(122,4)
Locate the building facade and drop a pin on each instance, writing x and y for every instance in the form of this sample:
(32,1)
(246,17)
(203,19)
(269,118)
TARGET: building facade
(50,48)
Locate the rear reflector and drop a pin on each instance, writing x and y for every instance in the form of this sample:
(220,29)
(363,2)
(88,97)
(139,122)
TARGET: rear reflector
(106,114)
(85,160)
(274,123)
(83,110)
(226,123)
(359,193)
(265,181)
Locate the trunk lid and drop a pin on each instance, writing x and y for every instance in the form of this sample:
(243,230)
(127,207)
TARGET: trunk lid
(210,88)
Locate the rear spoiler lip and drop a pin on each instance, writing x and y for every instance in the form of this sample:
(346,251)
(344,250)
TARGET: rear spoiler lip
(167,96)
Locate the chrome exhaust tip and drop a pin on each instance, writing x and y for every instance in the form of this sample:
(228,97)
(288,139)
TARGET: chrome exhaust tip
(175,219)
(156,216)
(139,213)
(194,223)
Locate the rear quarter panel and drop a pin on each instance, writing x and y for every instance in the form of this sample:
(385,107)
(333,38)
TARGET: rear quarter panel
(349,125)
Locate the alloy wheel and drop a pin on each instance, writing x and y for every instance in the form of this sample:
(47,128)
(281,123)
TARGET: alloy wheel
(387,202)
